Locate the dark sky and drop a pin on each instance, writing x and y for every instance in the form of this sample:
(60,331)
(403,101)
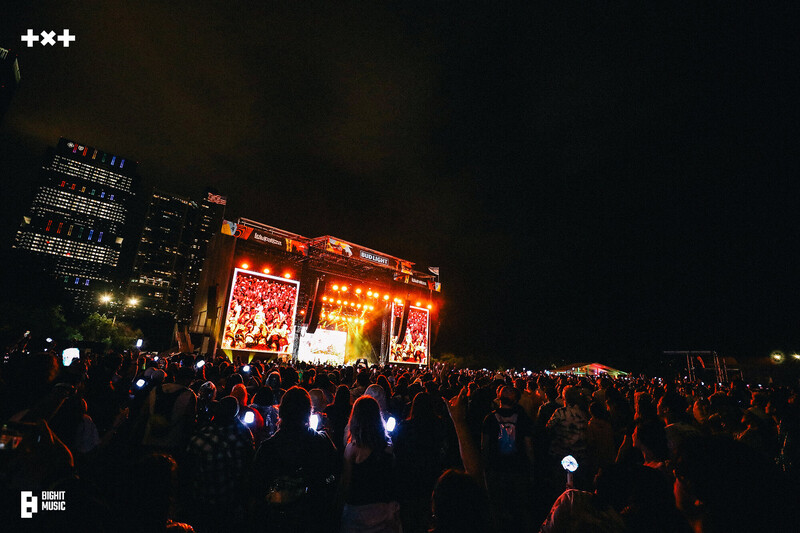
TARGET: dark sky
(595,182)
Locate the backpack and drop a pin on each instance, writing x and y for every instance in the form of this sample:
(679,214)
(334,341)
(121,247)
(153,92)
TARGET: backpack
(507,434)
(161,418)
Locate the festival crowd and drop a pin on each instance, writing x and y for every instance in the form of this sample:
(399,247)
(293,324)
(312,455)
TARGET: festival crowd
(145,443)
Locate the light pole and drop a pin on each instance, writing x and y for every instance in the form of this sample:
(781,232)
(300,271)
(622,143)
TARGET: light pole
(132,302)
(108,300)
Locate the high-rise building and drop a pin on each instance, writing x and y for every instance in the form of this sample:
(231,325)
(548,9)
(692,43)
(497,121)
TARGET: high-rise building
(163,257)
(74,228)
(171,250)
(210,215)
(9,79)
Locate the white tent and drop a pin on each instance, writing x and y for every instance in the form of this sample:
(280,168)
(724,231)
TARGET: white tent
(588,369)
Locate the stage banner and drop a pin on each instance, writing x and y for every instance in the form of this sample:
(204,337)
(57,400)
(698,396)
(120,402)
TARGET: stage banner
(235,230)
(269,240)
(296,247)
(352,251)
(378,259)
(418,282)
(413,348)
(261,313)
(338,247)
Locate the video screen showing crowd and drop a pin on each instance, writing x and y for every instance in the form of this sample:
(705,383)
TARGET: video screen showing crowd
(324,346)
(261,313)
(414,346)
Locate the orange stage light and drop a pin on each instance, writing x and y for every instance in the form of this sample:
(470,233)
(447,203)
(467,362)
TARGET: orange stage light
(266,271)
(385,296)
(419,304)
(288,275)
(339,302)
(369,293)
(430,306)
(358,291)
(324,298)
(336,287)
(344,288)
(245,266)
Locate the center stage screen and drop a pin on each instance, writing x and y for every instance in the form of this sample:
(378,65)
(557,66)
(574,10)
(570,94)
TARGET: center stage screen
(322,346)
(413,348)
(261,313)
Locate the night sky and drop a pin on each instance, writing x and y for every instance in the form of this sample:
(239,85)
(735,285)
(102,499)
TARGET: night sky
(595,182)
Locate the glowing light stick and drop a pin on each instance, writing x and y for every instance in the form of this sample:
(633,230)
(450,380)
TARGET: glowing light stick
(570,464)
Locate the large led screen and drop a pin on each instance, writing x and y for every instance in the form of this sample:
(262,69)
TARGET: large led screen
(413,347)
(324,346)
(261,313)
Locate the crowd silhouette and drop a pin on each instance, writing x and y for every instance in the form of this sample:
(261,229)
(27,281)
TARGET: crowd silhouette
(180,443)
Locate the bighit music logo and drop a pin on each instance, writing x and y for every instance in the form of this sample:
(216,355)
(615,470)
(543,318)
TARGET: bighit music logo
(51,500)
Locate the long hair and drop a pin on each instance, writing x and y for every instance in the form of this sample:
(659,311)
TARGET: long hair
(366,424)
(422,408)
(342,398)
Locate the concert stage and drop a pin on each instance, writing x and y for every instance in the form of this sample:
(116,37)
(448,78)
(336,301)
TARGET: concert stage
(268,293)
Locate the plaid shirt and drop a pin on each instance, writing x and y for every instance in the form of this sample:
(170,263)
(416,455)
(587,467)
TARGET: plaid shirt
(221,457)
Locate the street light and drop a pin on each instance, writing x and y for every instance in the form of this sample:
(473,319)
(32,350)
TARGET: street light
(131,302)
